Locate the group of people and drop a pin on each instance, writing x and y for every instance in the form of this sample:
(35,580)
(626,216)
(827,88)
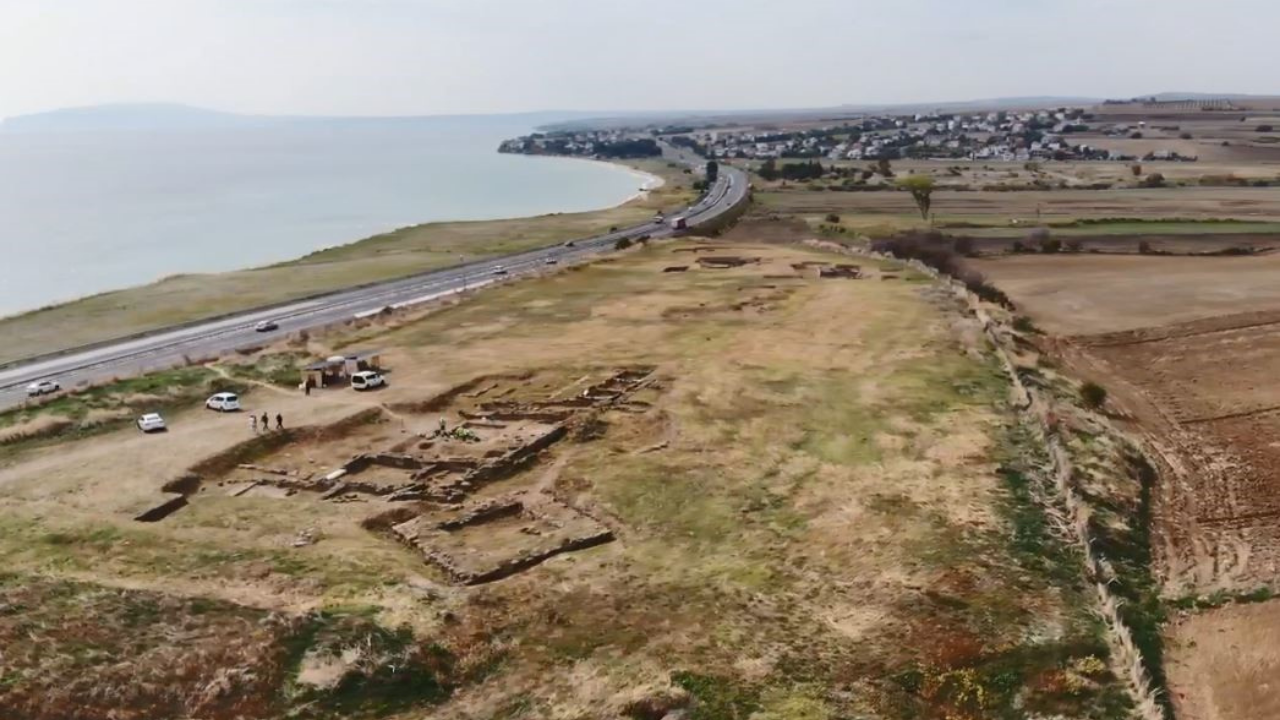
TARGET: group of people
(266,422)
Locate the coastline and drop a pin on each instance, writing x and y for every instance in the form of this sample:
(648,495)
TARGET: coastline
(209,202)
(648,181)
(385,256)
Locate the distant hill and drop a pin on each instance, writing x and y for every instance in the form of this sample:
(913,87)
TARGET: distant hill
(142,116)
(172,117)
(713,117)
(1195,96)
(1005,103)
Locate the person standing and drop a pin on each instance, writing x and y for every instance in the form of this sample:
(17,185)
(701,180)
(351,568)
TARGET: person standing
(253,424)
(279,421)
(266,422)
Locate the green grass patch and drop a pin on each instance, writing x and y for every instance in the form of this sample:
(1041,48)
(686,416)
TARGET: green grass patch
(395,672)
(279,369)
(718,698)
(83,413)
(139,552)
(1222,598)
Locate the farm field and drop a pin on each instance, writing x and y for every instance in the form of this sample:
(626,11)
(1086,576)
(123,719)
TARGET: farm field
(686,478)
(1188,348)
(1088,294)
(888,210)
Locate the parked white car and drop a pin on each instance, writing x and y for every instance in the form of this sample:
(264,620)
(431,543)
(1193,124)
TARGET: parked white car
(267,326)
(151,422)
(223,402)
(367,380)
(43,387)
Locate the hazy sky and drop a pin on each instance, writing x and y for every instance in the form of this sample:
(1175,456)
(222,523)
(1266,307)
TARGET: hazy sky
(372,57)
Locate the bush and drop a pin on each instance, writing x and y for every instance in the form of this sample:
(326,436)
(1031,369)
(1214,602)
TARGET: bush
(1185,136)
(1023,324)
(1044,240)
(1093,395)
(1018,247)
(1144,247)
(1265,128)
(1154,180)
(939,252)
(1041,238)
(622,244)
(1075,245)
(833,218)
(965,246)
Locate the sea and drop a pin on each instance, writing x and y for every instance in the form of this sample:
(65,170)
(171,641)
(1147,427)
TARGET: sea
(82,212)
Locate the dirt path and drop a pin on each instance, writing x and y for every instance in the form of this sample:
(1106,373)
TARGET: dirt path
(226,374)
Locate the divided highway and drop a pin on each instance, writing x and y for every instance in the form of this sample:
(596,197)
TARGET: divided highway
(167,348)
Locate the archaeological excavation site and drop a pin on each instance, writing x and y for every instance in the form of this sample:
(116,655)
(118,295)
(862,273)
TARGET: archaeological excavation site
(454,477)
(696,479)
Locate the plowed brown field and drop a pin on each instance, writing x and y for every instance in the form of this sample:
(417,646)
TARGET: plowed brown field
(1188,349)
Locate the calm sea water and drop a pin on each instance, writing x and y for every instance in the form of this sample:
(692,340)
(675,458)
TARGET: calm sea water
(81,213)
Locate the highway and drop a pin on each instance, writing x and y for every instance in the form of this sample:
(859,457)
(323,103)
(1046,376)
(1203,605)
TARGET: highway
(170,348)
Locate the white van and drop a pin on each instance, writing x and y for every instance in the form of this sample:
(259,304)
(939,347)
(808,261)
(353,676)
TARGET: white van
(367,380)
(223,402)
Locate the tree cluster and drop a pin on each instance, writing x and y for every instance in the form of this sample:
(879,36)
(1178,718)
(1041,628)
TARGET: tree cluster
(642,147)
(944,254)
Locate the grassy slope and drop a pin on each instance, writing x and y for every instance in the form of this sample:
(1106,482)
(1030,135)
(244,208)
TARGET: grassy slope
(395,254)
(840,523)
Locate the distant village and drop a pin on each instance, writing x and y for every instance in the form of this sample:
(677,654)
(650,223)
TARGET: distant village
(995,136)
(1044,135)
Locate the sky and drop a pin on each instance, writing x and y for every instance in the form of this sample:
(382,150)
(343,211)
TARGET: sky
(420,57)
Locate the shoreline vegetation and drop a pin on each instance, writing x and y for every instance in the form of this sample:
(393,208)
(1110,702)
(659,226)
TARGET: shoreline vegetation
(387,256)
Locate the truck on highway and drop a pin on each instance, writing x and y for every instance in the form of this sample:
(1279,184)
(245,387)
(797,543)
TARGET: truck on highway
(679,223)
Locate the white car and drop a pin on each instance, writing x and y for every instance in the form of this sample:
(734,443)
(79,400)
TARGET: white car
(267,326)
(223,402)
(42,387)
(499,270)
(552,261)
(151,422)
(367,380)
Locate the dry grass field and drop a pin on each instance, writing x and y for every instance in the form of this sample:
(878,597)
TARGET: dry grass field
(805,497)
(396,254)
(1188,348)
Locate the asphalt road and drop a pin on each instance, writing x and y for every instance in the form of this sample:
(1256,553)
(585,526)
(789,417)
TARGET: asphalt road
(170,348)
